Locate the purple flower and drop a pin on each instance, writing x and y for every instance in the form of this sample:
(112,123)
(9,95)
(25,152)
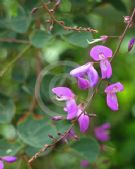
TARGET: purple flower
(102,132)
(65,94)
(111,91)
(102,53)
(86,76)
(83,119)
(8,159)
(131,44)
(84,163)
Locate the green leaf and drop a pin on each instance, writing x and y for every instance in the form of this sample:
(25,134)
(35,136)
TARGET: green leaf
(118,4)
(8,131)
(65,6)
(35,132)
(7,109)
(40,38)
(23,67)
(20,24)
(7,148)
(79,38)
(87,148)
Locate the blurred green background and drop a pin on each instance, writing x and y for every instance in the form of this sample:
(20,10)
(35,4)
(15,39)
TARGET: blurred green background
(27,46)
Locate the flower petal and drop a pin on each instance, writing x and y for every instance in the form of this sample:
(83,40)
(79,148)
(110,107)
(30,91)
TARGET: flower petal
(9,159)
(83,83)
(83,120)
(114,88)
(100,52)
(80,71)
(71,108)
(112,101)
(1,165)
(92,76)
(106,126)
(63,93)
(84,163)
(106,69)
(102,133)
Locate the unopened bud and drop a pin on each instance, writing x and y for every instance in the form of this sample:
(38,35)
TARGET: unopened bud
(131,44)
(127,19)
(104,37)
(34,10)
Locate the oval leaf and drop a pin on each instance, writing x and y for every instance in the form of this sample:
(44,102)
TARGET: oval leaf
(35,132)
(40,38)
(7,109)
(87,148)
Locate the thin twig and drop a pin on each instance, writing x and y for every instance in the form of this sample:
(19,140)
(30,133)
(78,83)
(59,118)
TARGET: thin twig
(46,146)
(38,70)
(123,35)
(61,23)
(13,40)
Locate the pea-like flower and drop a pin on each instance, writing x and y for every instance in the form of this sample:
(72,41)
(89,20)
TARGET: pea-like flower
(102,53)
(102,132)
(65,94)
(111,91)
(83,119)
(8,159)
(86,76)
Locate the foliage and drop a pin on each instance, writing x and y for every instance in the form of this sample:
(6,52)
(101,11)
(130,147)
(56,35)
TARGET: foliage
(29,44)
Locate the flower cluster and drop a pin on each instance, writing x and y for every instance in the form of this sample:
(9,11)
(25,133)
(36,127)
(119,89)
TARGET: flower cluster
(73,110)
(87,77)
(8,159)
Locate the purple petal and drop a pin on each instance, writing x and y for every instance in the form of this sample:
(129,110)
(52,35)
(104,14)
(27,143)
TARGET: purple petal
(9,159)
(102,133)
(106,69)
(112,101)
(83,83)
(131,44)
(106,126)
(114,88)
(100,52)
(1,165)
(63,93)
(84,163)
(83,121)
(71,108)
(80,71)
(92,76)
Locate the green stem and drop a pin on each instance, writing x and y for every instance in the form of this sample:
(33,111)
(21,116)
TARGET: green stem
(14,60)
